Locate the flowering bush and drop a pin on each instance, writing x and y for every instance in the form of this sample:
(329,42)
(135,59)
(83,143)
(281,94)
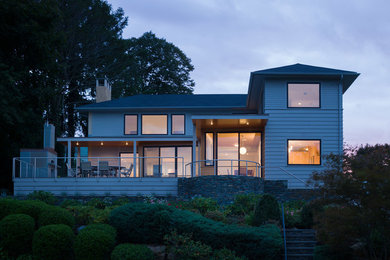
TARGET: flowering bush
(154,200)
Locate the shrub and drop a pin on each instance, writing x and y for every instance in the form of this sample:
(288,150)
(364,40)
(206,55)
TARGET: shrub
(203,204)
(146,223)
(121,201)
(32,208)
(24,257)
(132,252)
(266,209)
(55,215)
(69,202)
(308,212)
(103,227)
(44,196)
(97,203)
(93,243)
(8,206)
(53,242)
(16,233)
(215,215)
(183,247)
(244,204)
(225,254)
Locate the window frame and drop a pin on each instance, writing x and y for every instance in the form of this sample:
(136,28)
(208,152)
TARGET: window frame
(305,83)
(304,164)
(124,123)
(166,115)
(205,147)
(184,123)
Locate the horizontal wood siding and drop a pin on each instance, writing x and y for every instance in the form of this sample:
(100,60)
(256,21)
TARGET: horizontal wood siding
(298,123)
(98,186)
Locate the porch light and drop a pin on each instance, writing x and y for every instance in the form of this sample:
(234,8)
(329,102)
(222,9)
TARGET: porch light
(247,123)
(77,143)
(127,143)
(243,150)
(211,123)
(101,143)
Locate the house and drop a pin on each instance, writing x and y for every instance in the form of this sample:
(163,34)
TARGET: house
(290,119)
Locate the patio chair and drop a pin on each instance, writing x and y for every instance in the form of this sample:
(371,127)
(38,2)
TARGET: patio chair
(86,169)
(103,168)
(127,171)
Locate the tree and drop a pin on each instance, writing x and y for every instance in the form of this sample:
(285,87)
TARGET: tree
(357,218)
(151,65)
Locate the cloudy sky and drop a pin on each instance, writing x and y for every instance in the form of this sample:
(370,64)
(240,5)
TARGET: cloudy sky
(226,40)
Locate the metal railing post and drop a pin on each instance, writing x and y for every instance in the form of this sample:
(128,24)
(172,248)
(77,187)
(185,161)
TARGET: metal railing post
(215,169)
(119,167)
(231,167)
(35,167)
(55,168)
(246,168)
(13,168)
(98,166)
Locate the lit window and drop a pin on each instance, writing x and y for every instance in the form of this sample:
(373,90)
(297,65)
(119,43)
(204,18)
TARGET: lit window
(154,125)
(304,152)
(303,95)
(131,125)
(178,124)
(209,149)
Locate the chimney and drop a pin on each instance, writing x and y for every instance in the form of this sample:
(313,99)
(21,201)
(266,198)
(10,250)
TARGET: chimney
(103,90)
(48,136)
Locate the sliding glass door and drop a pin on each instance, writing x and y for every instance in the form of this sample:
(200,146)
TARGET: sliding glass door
(167,161)
(237,153)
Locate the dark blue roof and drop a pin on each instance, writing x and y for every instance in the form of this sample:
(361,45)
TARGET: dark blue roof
(173,101)
(302,69)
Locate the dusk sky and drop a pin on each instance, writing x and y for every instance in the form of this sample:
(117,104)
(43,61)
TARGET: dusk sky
(226,40)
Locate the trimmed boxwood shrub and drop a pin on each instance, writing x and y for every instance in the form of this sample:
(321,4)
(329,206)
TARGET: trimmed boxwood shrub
(148,223)
(55,215)
(94,243)
(16,233)
(103,227)
(53,242)
(132,252)
(32,208)
(267,208)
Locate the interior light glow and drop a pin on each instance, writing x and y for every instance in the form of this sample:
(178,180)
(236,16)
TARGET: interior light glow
(243,150)
(101,143)
(211,123)
(127,143)
(77,143)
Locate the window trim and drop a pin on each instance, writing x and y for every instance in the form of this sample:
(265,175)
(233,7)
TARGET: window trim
(183,123)
(124,123)
(306,82)
(205,147)
(154,115)
(304,164)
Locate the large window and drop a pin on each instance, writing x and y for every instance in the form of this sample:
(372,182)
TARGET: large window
(303,95)
(306,152)
(154,124)
(131,124)
(178,124)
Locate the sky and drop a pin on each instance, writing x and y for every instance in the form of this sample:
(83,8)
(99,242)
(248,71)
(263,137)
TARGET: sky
(226,40)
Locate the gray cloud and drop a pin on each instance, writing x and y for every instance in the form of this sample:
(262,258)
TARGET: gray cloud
(226,40)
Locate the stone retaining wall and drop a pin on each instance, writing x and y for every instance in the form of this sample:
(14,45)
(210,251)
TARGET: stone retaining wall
(225,188)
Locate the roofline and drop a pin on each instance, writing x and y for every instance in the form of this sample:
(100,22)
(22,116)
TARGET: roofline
(161,107)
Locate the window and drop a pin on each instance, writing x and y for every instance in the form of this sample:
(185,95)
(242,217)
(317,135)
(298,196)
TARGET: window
(209,149)
(178,124)
(303,95)
(154,124)
(307,152)
(131,124)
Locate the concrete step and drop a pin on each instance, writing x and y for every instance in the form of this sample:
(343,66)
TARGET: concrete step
(300,250)
(299,256)
(295,243)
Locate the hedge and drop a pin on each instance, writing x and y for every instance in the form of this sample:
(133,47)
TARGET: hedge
(132,252)
(53,242)
(267,208)
(148,223)
(16,233)
(94,243)
(32,208)
(55,215)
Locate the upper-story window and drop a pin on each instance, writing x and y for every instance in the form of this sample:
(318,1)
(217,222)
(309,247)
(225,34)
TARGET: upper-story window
(178,123)
(303,95)
(131,124)
(154,124)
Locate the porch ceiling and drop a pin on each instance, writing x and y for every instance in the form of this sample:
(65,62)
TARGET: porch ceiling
(239,124)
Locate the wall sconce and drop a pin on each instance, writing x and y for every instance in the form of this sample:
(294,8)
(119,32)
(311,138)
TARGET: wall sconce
(127,143)
(101,143)
(77,143)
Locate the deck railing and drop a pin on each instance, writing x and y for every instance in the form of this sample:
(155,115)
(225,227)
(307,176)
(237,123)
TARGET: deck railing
(90,167)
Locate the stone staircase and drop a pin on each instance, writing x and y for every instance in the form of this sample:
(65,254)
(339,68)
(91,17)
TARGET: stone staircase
(300,243)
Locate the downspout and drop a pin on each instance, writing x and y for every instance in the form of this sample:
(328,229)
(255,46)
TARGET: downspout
(340,141)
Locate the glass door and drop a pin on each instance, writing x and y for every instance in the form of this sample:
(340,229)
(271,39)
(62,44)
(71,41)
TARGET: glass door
(152,163)
(182,169)
(167,159)
(227,149)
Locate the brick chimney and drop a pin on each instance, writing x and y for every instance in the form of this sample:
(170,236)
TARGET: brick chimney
(103,90)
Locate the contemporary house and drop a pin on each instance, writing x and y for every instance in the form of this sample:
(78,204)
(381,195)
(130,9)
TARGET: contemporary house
(291,117)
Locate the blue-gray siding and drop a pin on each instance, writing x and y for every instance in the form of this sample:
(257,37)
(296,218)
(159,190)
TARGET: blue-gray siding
(299,123)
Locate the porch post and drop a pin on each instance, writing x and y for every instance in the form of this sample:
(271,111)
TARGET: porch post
(193,150)
(69,158)
(135,157)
